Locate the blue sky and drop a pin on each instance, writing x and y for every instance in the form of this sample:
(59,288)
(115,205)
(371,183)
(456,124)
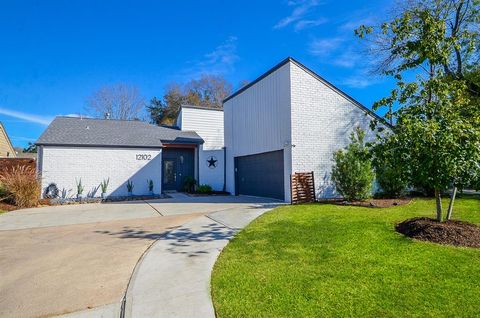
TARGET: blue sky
(54,54)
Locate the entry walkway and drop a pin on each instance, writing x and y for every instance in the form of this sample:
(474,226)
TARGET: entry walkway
(173,278)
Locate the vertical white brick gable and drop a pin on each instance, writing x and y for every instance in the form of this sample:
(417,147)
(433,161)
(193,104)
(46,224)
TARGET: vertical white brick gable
(322,121)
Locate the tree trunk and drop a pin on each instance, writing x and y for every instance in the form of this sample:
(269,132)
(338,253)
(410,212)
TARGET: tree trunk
(452,201)
(438,199)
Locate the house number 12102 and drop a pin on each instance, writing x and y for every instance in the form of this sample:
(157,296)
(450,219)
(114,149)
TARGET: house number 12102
(143,157)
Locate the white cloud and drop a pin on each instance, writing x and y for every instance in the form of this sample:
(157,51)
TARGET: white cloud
(362,78)
(304,24)
(224,54)
(301,8)
(348,59)
(358,82)
(325,47)
(32,118)
(219,61)
(76,115)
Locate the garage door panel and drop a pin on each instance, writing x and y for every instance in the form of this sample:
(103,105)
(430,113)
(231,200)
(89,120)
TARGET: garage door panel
(260,175)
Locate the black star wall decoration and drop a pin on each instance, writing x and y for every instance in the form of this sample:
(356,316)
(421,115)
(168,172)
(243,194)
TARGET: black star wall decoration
(212,162)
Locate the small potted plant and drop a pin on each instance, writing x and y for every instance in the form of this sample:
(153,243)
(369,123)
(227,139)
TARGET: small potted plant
(80,189)
(150,186)
(104,186)
(130,188)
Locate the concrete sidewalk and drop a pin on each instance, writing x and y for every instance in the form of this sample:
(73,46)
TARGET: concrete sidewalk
(173,278)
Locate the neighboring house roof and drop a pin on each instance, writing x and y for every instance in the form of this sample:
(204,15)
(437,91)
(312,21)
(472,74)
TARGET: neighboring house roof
(75,131)
(202,107)
(315,75)
(21,154)
(6,147)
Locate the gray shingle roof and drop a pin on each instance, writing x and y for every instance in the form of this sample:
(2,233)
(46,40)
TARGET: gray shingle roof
(74,131)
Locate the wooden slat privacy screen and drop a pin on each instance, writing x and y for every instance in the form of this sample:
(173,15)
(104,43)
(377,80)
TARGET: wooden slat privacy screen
(302,187)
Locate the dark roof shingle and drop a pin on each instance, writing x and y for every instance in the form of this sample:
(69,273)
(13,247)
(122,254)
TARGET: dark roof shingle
(74,131)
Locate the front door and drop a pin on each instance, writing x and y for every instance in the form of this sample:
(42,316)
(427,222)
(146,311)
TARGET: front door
(178,163)
(169,175)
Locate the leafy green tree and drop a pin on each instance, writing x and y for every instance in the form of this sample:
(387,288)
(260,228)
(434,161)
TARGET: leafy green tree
(437,131)
(352,171)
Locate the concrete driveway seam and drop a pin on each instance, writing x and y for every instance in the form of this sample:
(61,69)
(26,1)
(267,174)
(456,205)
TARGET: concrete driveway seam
(153,208)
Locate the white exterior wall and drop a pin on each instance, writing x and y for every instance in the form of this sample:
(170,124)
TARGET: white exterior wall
(322,121)
(208,124)
(211,176)
(62,165)
(258,120)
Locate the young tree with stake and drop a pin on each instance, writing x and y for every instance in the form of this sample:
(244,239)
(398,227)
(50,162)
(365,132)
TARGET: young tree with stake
(438,120)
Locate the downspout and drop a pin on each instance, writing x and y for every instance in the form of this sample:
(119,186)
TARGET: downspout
(224,169)
(197,150)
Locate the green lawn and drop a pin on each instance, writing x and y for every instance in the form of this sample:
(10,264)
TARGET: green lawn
(325,260)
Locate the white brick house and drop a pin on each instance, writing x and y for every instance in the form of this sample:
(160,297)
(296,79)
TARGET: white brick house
(288,120)
(93,150)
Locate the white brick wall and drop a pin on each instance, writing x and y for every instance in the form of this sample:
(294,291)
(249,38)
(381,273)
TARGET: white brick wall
(322,121)
(62,165)
(211,176)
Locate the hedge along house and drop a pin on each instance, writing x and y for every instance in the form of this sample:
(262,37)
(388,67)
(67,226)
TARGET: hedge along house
(96,149)
(288,120)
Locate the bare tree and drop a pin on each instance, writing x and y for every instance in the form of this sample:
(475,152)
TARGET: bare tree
(118,101)
(208,91)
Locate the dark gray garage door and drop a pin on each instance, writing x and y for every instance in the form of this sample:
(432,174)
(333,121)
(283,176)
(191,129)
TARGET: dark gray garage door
(260,175)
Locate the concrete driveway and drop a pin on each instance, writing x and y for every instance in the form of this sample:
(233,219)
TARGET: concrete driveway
(79,259)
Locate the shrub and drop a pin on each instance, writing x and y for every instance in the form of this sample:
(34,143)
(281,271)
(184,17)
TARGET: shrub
(204,188)
(390,169)
(352,171)
(189,184)
(22,185)
(3,192)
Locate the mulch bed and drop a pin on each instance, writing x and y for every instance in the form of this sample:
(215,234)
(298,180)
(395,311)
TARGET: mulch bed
(7,207)
(372,203)
(451,232)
